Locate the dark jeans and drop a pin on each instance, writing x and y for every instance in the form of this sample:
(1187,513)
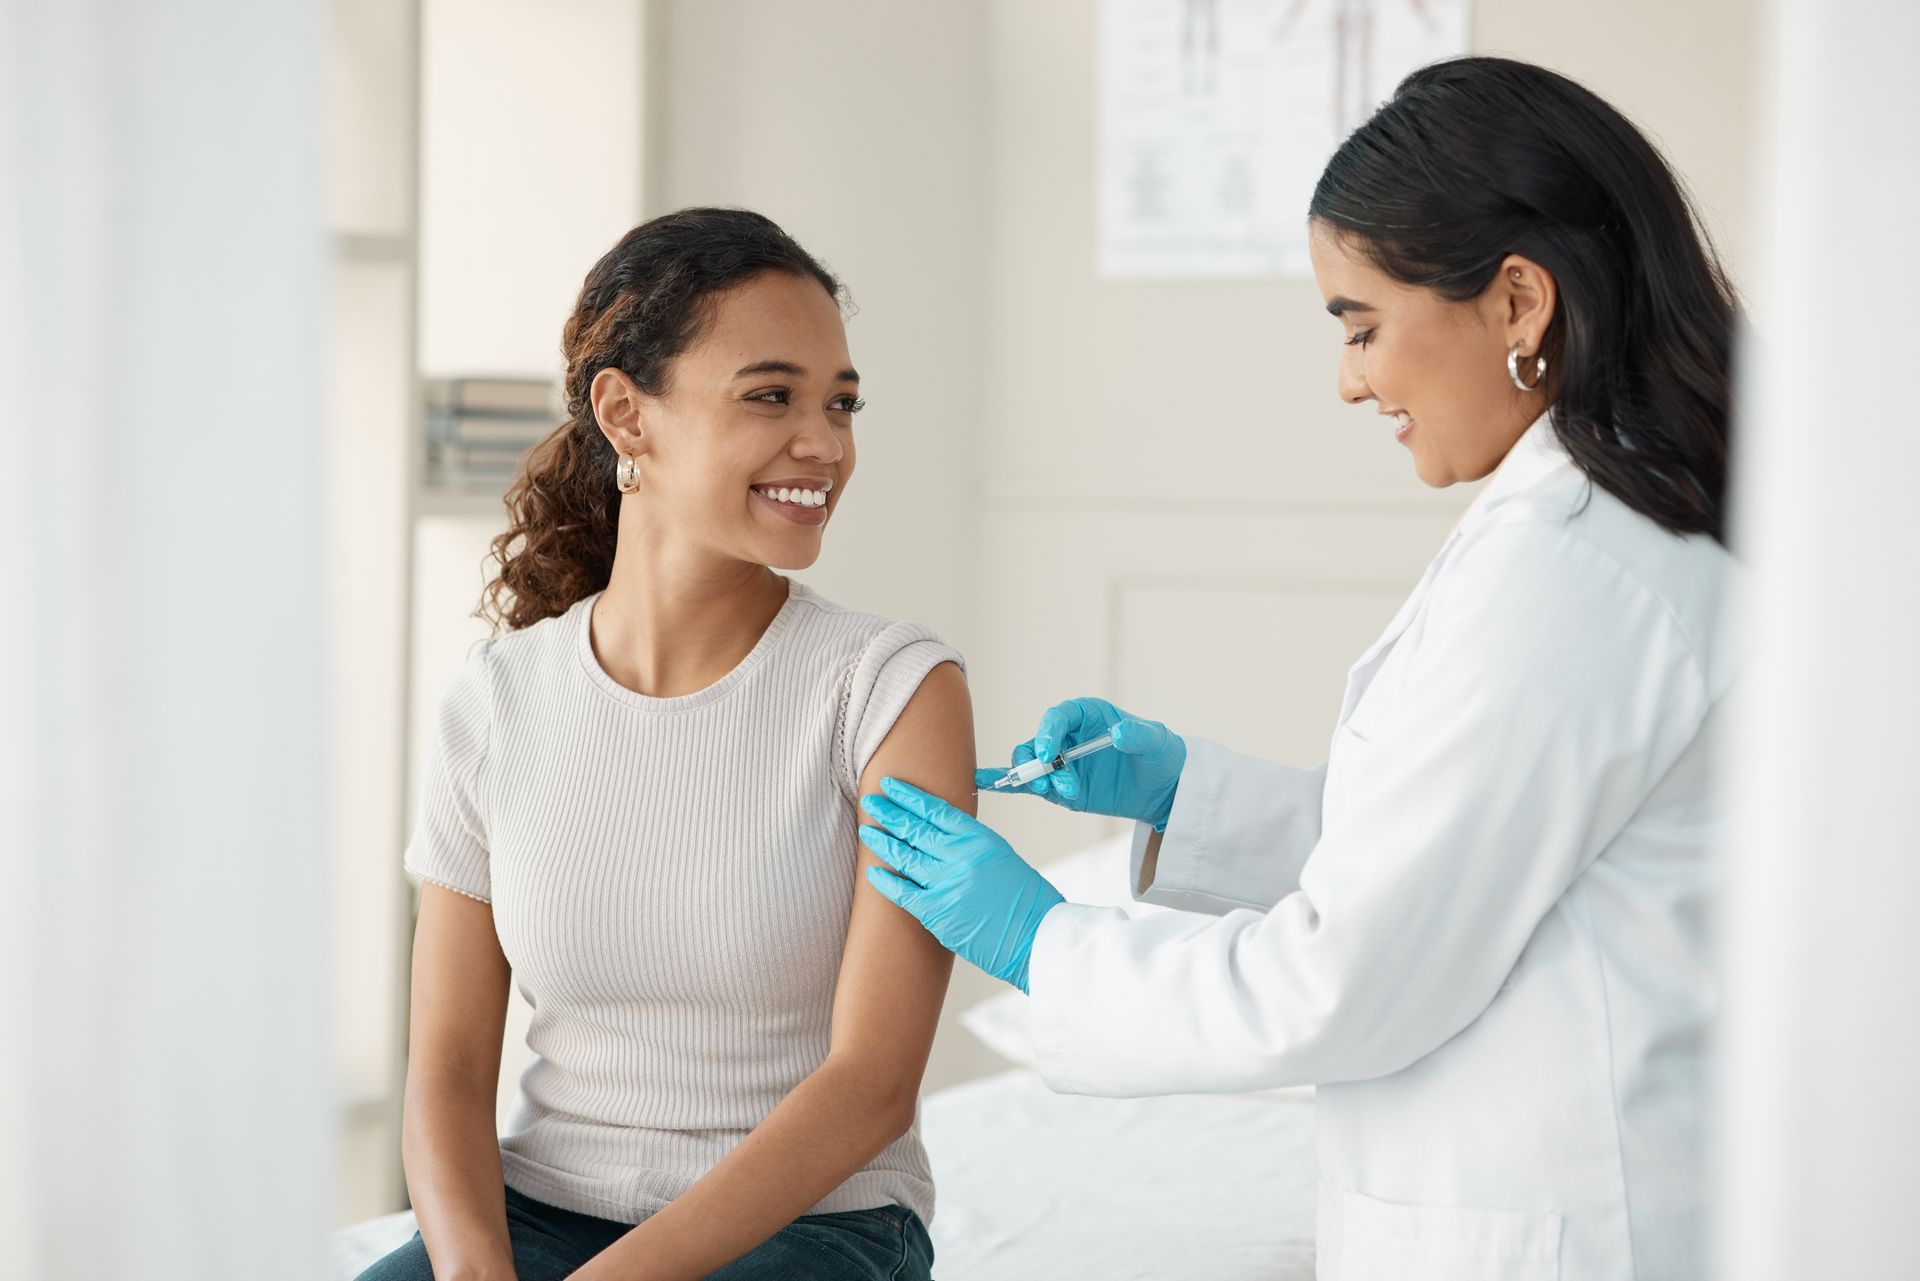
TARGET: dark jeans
(887,1244)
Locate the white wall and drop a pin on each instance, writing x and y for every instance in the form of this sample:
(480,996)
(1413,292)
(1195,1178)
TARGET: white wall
(530,169)
(367,425)
(1819,1121)
(364,484)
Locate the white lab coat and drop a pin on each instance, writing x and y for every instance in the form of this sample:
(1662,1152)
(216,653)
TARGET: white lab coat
(1478,928)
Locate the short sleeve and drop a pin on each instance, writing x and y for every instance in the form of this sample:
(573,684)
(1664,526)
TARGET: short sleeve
(883,680)
(449,845)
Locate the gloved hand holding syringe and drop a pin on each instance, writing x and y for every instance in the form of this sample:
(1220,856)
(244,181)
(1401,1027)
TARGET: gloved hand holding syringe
(1136,779)
(963,881)
(1021,775)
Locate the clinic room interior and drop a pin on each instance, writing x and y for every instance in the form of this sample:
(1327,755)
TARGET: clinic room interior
(287,311)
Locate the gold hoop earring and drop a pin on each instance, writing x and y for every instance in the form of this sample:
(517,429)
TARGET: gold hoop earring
(626,475)
(1513,370)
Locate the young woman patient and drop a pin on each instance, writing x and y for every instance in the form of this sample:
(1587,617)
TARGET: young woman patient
(639,805)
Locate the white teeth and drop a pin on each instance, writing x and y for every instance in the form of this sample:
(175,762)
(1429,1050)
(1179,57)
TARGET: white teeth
(798,497)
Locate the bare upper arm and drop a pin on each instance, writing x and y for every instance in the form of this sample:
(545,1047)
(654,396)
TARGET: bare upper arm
(460,984)
(894,974)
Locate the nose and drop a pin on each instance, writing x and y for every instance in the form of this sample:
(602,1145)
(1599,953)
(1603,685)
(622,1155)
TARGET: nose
(817,442)
(1352,379)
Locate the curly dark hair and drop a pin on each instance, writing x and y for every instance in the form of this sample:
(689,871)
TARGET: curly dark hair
(643,304)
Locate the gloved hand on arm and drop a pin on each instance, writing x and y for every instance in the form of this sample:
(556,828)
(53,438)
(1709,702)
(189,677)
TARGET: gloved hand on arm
(959,877)
(965,883)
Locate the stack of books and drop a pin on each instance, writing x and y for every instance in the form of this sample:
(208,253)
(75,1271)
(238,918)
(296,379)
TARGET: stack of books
(478,429)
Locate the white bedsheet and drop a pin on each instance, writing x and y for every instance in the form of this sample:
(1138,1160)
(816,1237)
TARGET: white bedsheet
(1035,1186)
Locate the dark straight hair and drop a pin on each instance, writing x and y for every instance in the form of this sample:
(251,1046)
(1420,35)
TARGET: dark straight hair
(1476,158)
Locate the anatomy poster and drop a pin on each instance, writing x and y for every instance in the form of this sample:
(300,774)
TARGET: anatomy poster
(1216,116)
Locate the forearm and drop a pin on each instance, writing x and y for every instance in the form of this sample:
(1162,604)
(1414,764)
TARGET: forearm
(451,1152)
(824,1131)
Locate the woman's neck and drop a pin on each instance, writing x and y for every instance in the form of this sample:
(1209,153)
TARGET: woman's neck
(669,624)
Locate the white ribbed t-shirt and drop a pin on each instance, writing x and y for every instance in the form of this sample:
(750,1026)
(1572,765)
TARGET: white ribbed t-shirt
(671,880)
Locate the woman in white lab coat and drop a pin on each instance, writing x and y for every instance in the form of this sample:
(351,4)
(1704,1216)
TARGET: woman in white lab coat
(1478,928)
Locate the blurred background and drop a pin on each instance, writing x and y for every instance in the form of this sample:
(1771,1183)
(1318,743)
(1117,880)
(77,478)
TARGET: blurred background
(281,309)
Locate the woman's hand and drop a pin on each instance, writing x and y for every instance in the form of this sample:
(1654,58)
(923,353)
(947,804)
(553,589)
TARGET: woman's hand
(958,877)
(1136,778)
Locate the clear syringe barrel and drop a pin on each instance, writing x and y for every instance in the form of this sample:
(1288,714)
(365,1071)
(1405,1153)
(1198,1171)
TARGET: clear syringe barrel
(1024,773)
(1087,748)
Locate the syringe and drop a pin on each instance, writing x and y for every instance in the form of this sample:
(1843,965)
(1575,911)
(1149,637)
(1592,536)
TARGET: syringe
(1021,775)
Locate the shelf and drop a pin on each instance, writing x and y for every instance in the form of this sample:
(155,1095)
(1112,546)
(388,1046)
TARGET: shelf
(460,503)
(371,246)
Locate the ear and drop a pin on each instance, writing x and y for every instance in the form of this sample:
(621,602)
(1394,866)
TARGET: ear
(619,408)
(1526,295)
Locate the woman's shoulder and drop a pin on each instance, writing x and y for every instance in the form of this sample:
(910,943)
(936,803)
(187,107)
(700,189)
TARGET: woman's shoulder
(1572,539)
(497,665)
(855,635)
(878,664)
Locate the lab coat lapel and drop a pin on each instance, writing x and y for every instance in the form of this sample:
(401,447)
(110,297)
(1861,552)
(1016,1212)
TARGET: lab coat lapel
(1535,455)
(1362,673)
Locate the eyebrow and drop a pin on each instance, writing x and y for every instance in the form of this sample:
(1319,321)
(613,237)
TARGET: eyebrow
(1341,306)
(790,369)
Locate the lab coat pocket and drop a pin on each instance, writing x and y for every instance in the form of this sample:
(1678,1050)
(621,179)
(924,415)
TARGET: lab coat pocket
(1381,1241)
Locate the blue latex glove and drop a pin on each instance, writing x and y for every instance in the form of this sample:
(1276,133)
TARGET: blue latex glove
(959,877)
(1136,778)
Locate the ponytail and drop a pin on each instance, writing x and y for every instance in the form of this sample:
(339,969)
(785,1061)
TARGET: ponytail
(642,305)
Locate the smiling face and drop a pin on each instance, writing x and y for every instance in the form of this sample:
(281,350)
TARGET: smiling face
(748,450)
(1437,369)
